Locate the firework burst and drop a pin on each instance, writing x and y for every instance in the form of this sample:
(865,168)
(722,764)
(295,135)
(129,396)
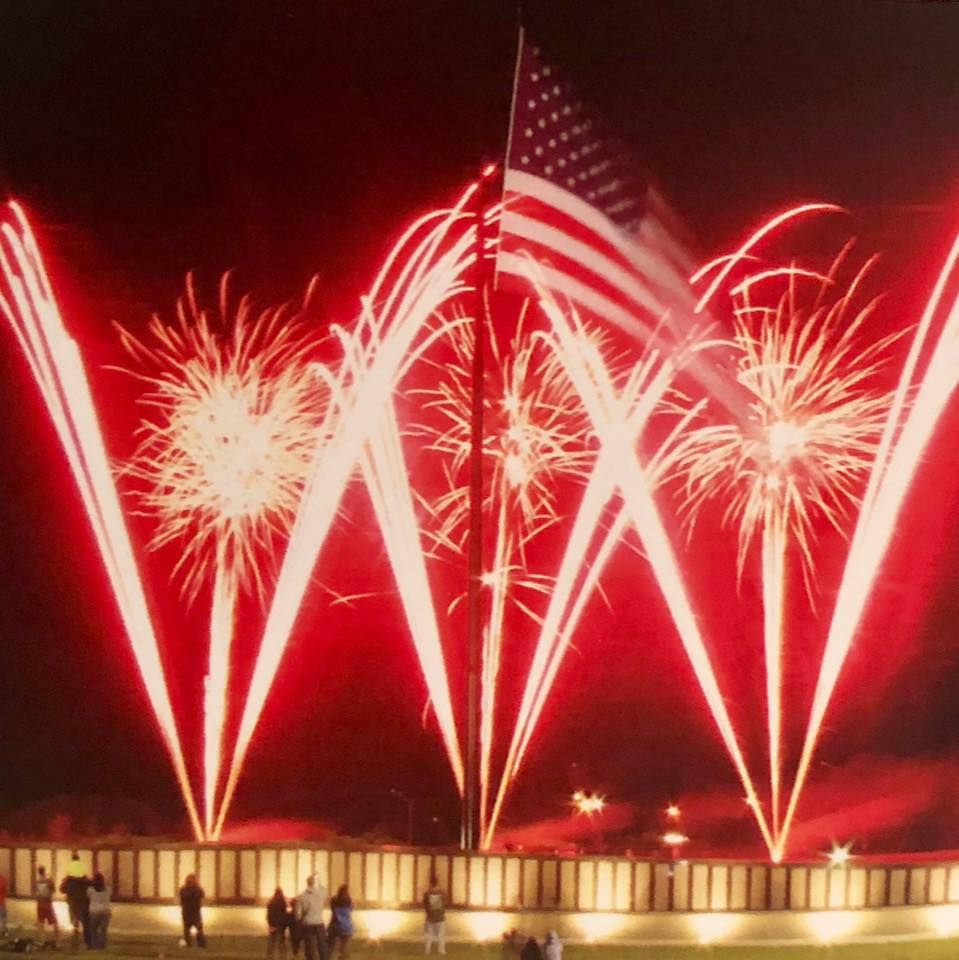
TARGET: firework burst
(802,450)
(236,420)
(536,434)
(232,433)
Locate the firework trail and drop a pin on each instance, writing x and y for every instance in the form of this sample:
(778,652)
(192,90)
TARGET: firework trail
(619,409)
(928,380)
(425,270)
(236,421)
(535,434)
(28,304)
(803,449)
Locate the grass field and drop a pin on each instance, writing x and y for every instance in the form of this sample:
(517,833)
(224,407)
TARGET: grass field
(248,948)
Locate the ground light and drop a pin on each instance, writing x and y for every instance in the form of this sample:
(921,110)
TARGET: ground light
(830,925)
(712,927)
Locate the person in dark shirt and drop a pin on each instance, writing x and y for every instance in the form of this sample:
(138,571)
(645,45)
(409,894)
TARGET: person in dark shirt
(531,950)
(74,887)
(191,909)
(341,921)
(277,919)
(434,928)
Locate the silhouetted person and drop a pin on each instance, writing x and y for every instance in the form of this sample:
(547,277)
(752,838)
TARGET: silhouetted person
(310,907)
(74,887)
(296,928)
(531,950)
(434,926)
(341,921)
(191,909)
(3,905)
(511,947)
(98,894)
(277,920)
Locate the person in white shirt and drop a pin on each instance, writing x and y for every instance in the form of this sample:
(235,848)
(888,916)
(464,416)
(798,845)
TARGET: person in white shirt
(552,947)
(310,905)
(99,896)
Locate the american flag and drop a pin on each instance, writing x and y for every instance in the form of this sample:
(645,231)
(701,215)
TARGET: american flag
(575,202)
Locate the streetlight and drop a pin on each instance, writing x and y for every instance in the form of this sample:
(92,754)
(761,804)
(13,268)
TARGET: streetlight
(588,803)
(673,812)
(839,855)
(410,803)
(674,840)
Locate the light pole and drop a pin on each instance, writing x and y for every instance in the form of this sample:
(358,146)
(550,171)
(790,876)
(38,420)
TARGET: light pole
(410,803)
(674,840)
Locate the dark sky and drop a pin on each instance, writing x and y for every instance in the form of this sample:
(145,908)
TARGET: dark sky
(293,138)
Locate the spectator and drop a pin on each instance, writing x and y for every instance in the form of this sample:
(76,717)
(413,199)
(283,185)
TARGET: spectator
(511,947)
(43,888)
(531,950)
(191,909)
(74,887)
(277,920)
(296,929)
(310,907)
(434,927)
(341,921)
(3,905)
(98,894)
(553,947)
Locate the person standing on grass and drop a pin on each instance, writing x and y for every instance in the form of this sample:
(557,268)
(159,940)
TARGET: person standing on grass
(191,909)
(43,888)
(277,920)
(3,905)
(74,887)
(531,951)
(341,921)
(434,927)
(310,907)
(296,930)
(99,914)
(552,946)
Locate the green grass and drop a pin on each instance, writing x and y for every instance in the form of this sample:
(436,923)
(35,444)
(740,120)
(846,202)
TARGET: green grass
(246,948)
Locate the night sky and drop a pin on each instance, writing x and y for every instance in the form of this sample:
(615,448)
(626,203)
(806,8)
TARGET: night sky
(296,138)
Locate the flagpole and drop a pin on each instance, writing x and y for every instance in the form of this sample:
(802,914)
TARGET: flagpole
(472,815)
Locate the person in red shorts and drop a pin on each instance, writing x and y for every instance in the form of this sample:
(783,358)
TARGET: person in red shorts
(43,888)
